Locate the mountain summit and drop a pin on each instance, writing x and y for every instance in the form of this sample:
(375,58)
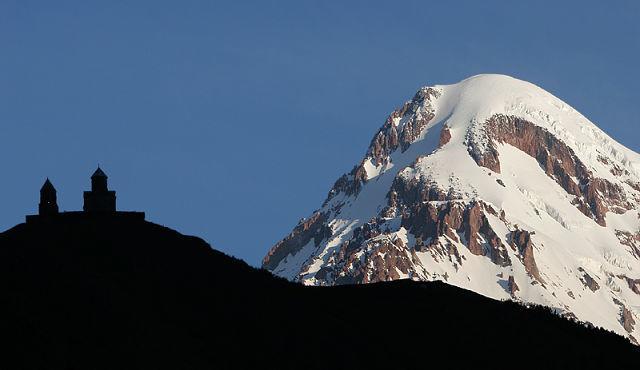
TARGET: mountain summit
(491,184)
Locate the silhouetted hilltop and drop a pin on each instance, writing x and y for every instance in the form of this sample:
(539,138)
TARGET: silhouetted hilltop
(107,291)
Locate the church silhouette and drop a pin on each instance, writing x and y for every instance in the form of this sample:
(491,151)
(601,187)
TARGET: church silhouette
(98,202)
(100,198)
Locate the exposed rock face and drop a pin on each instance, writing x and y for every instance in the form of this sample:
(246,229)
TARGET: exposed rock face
(521,241)
(593,196)
(512,286)
(588,281)
(428,214)
(483,184)
(626,317)
(630,240)
(401,128)
(445,136)
(349,184)
(420,113)
(308,229)
(634,285)
(387,261)
(370,256)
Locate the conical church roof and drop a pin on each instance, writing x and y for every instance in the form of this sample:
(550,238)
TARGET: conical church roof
(99,173)
(47,186)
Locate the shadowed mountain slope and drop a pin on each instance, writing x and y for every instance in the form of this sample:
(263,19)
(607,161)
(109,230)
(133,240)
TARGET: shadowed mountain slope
(107,292)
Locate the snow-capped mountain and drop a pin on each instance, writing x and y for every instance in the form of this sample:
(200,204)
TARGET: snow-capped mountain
(491,184)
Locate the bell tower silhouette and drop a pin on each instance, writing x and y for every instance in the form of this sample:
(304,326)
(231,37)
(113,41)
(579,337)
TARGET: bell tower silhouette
(100,198)
(99,204)
(48,199)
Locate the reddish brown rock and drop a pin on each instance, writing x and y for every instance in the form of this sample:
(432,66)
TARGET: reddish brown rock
(630,240)
(488,158)
(626,317)
(588,281)
(387,262)
(445,136)
(594,196)
(420,114)
(512,286)
(377,260)
(308,229)
(521,241)
(349,184)
(627,320)
(615,169)
(428,221)
(591,283)
(481,238)
(472,228)
(428,213)
(371,255)
(415,114)
(385,142)
(634,284)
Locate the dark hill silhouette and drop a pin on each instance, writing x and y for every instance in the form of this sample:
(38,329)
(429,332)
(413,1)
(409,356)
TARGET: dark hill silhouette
(115,292)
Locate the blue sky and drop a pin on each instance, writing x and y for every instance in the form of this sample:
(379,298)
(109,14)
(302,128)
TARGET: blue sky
(231,120)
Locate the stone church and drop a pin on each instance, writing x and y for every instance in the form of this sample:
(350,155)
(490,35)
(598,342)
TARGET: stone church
(100,198)
(99,201)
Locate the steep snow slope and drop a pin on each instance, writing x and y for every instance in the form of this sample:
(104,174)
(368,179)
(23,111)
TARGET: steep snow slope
(491,184)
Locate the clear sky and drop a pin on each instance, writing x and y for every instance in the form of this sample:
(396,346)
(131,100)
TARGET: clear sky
(231,120)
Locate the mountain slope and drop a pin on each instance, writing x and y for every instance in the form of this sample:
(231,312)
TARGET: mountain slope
(491,184)
(117,293)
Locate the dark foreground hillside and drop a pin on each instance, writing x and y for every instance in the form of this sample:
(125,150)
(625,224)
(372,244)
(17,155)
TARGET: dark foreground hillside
(112,293)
